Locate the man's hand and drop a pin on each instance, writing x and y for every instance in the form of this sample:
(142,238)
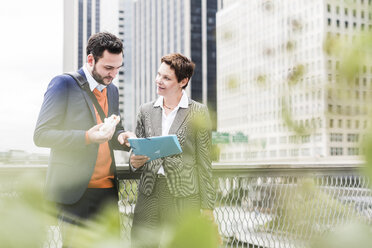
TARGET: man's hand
(97,136)
(138,160)
(123,138)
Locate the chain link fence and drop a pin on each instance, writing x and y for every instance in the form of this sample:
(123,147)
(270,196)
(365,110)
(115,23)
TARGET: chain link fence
(270,205)
(276,206)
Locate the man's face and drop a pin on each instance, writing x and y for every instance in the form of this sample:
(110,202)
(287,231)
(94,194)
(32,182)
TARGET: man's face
(106,68)
(166,81)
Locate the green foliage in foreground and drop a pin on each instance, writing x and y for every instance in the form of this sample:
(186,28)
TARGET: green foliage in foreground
(26,219)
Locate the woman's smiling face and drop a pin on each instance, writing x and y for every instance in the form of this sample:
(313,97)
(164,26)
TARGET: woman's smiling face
(167,82)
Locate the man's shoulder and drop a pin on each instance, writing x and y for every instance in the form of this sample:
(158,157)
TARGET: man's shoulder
(62,81)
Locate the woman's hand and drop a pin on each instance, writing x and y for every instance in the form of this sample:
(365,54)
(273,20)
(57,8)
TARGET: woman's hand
(138,160)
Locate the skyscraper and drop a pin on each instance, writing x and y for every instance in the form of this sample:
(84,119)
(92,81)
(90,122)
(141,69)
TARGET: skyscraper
(82,18)
(277,85)
(160,27)
(126,85)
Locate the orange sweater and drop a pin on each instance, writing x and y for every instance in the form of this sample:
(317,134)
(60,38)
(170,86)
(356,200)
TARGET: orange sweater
(102,178)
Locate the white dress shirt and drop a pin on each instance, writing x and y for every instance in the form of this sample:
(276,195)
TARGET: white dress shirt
(167,120)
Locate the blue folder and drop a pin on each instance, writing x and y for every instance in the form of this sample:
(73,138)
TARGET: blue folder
(156,147)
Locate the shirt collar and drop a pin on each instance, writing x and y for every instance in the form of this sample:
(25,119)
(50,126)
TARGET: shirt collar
(92,82)
(184,102)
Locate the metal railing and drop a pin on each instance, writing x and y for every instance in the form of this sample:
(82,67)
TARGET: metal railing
(270,205)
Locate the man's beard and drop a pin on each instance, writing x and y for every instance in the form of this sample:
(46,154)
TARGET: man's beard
(98,77)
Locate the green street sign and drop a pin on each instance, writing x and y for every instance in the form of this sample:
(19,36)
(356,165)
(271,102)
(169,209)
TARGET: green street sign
(220,138)
(240,138)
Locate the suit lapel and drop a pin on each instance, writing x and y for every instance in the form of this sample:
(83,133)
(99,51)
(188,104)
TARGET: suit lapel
(179,119)
(156,121)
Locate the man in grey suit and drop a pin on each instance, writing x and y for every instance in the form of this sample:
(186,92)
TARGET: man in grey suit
(180,183)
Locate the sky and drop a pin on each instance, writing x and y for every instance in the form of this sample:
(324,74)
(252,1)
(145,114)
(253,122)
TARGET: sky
(31,43)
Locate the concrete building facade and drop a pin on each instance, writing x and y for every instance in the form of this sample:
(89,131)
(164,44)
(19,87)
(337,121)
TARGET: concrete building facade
(277,85)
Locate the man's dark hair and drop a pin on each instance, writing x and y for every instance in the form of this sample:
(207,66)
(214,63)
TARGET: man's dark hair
(102,41)
(182,66)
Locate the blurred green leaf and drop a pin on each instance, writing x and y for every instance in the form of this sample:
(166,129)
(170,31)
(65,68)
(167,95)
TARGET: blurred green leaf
(194,231)
(232,84)
(296,74)
(24,214)
(349,235)
(261,80)
(296,25)
(290,46)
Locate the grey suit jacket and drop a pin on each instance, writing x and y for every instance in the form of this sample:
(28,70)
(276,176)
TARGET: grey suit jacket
(190,172)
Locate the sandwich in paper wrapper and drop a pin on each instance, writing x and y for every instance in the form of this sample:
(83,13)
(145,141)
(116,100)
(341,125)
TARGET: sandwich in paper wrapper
(109,123)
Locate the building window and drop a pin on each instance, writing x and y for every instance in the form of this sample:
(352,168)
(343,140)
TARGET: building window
(336,151)
(331,123)
(283,140)
(305,152)
(283,153)
(305,138)
(352,151)
(346,11)
(351,137)
(294,152)
(338,109)
(273,154)
(336,137)
(330,108)
(328,8)
(317,151)
(293,139)
(340,123)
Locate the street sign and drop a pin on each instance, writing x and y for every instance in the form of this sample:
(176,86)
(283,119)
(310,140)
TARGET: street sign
(220,138)
(240,138)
